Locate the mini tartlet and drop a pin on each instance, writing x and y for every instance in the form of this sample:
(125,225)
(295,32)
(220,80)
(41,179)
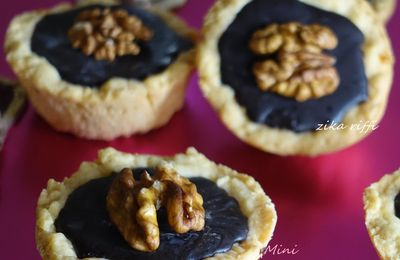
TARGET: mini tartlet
(277,70)
(226,193)
(100,94)
(382,215)
(12,100)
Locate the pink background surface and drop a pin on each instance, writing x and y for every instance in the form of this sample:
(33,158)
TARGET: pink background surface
(318,200)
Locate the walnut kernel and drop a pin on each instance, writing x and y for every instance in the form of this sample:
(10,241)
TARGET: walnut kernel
(300,69)
(107,33)
(133,205)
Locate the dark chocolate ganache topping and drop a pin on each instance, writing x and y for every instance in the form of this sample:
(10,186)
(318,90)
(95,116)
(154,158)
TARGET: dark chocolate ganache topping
(50,40)
(278,111)
(85,222)
(6,96)
(397,205)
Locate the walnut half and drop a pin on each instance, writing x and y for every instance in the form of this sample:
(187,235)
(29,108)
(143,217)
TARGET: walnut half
(297,67)
(132,206)
(107,33)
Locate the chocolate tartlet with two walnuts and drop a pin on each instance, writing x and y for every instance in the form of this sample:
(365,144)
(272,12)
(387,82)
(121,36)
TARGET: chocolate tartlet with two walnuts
(102,70)
(277,71)
(125,206)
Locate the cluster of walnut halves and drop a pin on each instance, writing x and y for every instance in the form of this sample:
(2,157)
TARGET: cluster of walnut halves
(107,33)
(132,205)
(297,68)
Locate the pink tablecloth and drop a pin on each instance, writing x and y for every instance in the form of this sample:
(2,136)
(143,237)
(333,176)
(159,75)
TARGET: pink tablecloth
(319,201)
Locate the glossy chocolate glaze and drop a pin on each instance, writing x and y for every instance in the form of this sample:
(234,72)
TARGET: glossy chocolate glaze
(85,222)
(278,111)
(397,205)
(6,96)
(50,40)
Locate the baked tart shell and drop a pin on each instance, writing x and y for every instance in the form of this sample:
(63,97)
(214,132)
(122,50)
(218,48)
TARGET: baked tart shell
(253,202)
(378,62)
(380,219)
(119,107)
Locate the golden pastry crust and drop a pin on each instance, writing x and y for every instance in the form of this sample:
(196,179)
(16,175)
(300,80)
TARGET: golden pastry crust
(384,8)
(378,61)
(382,224)
(259,210)
(120,107)
(9,116)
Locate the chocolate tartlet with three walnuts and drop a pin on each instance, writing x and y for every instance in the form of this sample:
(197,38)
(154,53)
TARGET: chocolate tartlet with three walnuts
(278,71)
(102,70)
(125,206)
(382,215)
